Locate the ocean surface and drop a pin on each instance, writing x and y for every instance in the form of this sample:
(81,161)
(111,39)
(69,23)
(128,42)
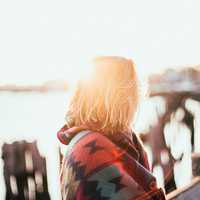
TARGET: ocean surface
(34,116)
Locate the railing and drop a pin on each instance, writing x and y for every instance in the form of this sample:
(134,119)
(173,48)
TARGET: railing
(24,172)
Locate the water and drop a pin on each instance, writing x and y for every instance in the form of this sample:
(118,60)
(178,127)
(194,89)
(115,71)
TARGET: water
(34,116)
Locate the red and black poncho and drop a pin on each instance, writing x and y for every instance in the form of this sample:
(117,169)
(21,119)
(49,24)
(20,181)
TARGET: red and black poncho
(98,167)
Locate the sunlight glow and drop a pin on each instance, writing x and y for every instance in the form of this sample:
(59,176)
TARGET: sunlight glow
(43,40)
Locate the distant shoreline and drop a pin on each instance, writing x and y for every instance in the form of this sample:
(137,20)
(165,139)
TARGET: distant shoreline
(45,87)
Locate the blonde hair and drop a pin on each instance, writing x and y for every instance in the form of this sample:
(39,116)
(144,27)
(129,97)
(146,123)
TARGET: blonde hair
(106,102)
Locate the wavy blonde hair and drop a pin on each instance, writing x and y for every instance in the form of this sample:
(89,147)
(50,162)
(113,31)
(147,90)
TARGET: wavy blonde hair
(106,102)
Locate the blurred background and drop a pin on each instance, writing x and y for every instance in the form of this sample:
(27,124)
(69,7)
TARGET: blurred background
(46,45)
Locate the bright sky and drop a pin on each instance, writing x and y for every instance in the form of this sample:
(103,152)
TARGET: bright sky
(41,40)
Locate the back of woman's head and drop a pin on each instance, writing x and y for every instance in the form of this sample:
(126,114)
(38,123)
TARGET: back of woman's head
(106,101)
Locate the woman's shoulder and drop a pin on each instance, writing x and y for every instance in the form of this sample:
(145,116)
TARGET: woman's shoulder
(93,145)
(94,164)
(90,149)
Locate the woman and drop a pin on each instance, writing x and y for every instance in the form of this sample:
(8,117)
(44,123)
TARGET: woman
(105,159)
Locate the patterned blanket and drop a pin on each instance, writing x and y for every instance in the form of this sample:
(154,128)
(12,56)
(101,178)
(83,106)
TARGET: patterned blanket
(97,167)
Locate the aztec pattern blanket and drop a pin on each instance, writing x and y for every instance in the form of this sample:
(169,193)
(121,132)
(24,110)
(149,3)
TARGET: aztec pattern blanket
(97,167)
